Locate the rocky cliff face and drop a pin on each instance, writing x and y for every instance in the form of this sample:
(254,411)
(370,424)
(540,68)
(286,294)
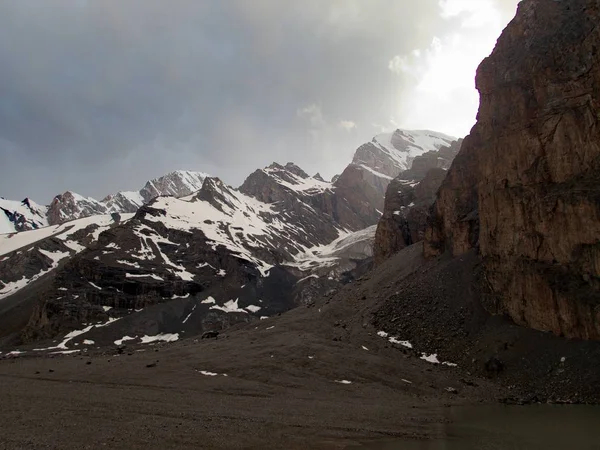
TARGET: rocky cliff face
(70,206)
(408,201)
(525,188)
(405,215)
(349,203)
(440,159)
(177,184)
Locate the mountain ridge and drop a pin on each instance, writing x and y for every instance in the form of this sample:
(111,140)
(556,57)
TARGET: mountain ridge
(283,237)
(71,205)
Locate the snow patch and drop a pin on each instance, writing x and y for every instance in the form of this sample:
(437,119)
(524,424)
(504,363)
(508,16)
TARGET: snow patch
(394,340)
(230,307)
(433,359)
(124,339)
(162,337)
(146,275)
(253,308)
(190,314)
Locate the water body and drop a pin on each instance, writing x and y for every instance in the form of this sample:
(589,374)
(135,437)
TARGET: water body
(538,427)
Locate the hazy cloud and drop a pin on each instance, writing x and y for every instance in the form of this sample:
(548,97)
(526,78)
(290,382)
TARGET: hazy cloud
(347,125)
(99,96)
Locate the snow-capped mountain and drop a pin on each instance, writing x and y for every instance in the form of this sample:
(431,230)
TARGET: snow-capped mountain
(27,215)
(21,216)
(225,254)
(197,254)
(123,202)
(388,154)
(177,184)
(71,206)
(27,256)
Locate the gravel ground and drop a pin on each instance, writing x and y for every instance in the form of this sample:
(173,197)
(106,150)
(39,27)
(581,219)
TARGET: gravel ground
(316,377)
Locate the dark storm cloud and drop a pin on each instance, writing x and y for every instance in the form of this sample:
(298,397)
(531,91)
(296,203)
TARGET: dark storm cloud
(98,96)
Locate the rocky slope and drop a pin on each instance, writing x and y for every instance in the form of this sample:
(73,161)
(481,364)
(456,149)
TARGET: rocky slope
(525,188)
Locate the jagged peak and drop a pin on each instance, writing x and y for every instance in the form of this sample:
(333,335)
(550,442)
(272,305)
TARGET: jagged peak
(73,196)
(289,167)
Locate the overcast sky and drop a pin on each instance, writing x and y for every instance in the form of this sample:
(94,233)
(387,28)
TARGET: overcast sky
(97,96)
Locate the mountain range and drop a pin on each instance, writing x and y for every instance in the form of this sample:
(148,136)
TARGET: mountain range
(28,215)
(412,300)
(187,242)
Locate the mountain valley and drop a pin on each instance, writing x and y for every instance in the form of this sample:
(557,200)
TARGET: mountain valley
(433,275)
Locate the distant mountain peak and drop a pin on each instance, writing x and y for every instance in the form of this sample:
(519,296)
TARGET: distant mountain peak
(27,214)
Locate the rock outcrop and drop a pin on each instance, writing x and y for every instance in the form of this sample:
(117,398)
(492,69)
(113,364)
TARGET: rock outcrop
(525,187)
(440,159)
(349,203)
(405,215)
(70,206)
(177,184)
(408,201)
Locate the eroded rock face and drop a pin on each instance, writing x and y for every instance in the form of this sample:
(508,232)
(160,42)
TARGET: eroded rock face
(349,203)
(177,184)
(525,188)
(440,159)
(407,205)
(70,206)
(390,154)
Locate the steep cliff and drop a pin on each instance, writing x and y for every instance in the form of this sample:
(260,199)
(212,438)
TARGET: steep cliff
(525,187)
(405,214)
(408,200)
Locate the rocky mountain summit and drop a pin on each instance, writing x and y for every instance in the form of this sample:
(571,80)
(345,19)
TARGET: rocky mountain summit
(378,162)
(524,188)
